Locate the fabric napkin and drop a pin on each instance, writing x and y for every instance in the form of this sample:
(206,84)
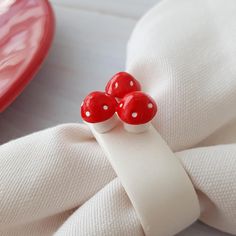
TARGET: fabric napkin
(58,181)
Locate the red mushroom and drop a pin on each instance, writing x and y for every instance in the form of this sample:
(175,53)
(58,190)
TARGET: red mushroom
(136,110)
(99,109)
(121,84)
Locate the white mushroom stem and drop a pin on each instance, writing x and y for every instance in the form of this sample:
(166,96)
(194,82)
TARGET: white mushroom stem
(137,128)
(105,126)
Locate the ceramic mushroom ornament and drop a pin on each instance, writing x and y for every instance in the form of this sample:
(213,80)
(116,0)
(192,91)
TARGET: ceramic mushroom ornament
(121,84)
(136,110)
(99,109)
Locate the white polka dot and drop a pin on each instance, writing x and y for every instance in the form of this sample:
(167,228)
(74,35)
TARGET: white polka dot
(121,105)
(150,105)
(82,104)
(116,85)
(131,83)
(87,113)
(134,114)
(105,107)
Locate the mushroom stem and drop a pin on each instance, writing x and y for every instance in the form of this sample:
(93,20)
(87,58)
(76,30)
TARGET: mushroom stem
(107,125)
(137,128)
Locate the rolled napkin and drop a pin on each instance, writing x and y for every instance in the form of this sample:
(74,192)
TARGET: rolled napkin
(58,181)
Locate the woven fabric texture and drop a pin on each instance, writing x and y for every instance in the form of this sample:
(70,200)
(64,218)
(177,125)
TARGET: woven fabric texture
(58,181)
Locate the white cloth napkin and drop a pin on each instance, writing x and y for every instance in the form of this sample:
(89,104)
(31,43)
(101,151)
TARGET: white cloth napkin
(184,53)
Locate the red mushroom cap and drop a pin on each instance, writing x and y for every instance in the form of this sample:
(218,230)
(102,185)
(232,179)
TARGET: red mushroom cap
(137,108)
(98,107)
(121,84)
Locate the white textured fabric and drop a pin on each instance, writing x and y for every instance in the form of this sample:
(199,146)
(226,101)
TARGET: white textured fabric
(184,53)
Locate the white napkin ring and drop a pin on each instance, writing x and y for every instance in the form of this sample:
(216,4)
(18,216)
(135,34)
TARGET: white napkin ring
(153,178)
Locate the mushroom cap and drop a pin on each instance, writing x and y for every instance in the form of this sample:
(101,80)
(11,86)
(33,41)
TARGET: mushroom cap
(98,107)
(136,108)
(121,84)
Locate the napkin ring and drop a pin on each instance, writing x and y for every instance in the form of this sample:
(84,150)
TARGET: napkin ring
(155,181)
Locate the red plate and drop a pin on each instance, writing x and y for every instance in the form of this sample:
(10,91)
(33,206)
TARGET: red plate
(26,32)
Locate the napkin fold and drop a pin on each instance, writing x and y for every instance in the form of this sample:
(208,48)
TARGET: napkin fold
(58,181)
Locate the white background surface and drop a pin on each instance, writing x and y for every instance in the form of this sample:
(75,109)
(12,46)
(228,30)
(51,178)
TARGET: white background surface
(89,47)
